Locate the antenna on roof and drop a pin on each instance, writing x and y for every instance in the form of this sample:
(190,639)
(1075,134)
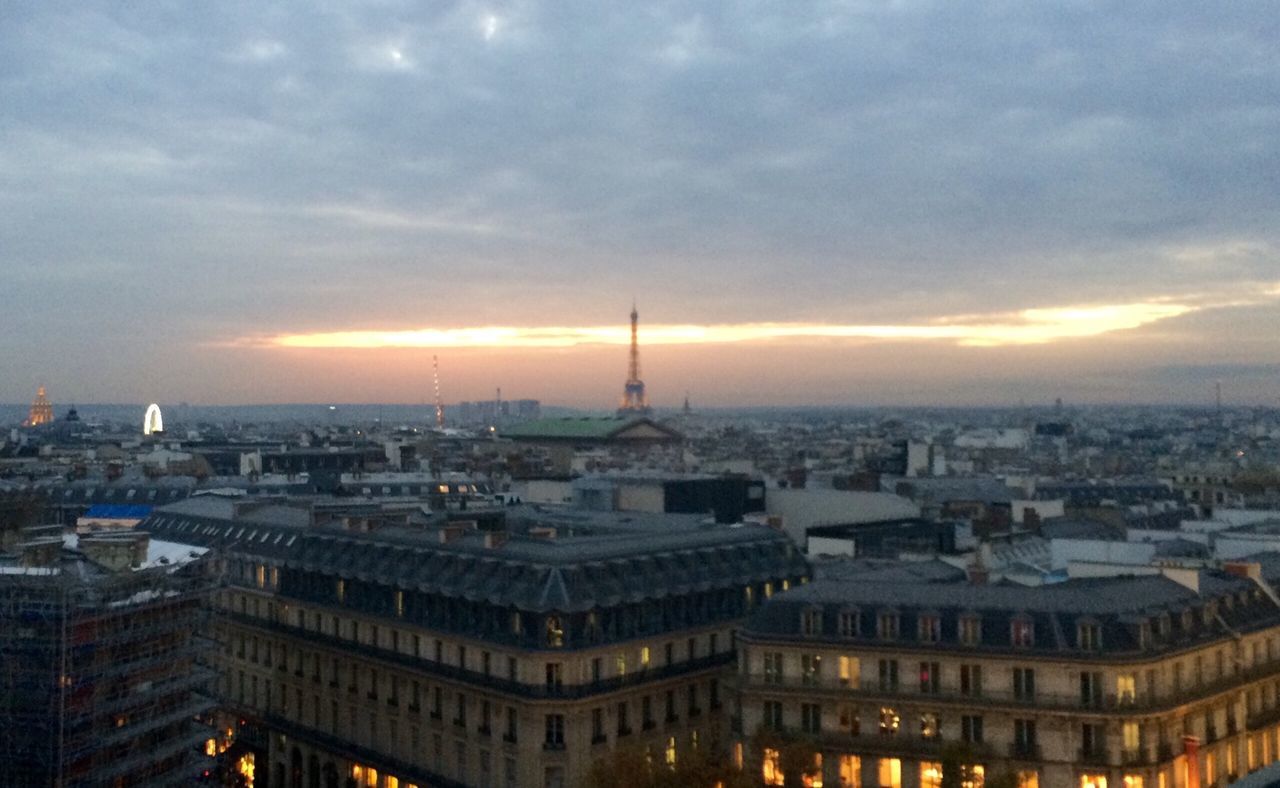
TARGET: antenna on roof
(435,376)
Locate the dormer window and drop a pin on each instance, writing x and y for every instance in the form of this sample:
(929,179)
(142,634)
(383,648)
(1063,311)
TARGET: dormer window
(930,628)
(1164,624)
(887,625)
(1022,633)
(1187,620)
(555,632)
(970,630)
(847,623)
(1088,636)
(811,622)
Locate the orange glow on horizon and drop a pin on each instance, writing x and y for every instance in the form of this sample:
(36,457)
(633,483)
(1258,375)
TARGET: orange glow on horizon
(1026,327)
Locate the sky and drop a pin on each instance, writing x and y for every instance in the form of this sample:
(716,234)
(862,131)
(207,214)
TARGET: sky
(810,203)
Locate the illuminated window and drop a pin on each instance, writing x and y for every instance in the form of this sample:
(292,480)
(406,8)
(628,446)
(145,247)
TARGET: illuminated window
(747,596)
(1093,781)
(813,778)
(1125,688)
(555,632)
(1131,735)
(972,775)
(399,604)
(770,769)
(768,590)
(929,726)
(1029,779)
(371,777)
(850,771)
(970,630)
(275,577)
(930,774)
(262,576)
(737,755)
(849,669)
(1133,781)
(669,756)
(342,590)
(393,782)
(644,657)
(889,721)
(620,664)
(889,773)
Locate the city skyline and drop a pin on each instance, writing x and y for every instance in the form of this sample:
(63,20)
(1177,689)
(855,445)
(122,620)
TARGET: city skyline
(904,203)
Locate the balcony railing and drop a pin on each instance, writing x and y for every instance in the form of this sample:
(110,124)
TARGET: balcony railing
(871,692)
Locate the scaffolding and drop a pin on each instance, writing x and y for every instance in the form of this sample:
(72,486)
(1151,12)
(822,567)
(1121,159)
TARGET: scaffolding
(102,671)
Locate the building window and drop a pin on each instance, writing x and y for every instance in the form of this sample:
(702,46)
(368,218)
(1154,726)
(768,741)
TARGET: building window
(554,731)
(1090,688)
(773,668)
(849,670)
(1088,636)
(1024,683)
(970,630)
(1131,738)
(554,678)
(669,753)
(889,773)
(889,721)
(847,623)
(555,632)
(930,726)
(930,677)
(887,626)
(930,774)
(624,720)
(1022,633)
(1024,738)
(811,718)
(971,680)
(888,675)
(930,629)
(811,622)
(1092,743)
(620,664)
(771,768)
(810,668)
(849,723)
(850,771)
(773,715)
(971,728)
(1126,688)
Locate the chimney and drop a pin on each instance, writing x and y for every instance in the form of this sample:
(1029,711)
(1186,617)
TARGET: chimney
(979,574)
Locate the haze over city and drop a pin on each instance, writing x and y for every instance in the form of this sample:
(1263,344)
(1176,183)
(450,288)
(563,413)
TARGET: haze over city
(816,203)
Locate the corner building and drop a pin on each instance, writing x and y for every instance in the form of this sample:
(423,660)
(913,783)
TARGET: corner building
(1153,681)
(450,656)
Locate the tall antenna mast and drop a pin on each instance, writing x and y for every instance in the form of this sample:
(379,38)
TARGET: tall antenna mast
(435,375)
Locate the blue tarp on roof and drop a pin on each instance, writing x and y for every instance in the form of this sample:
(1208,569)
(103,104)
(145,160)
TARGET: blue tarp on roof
(111,511)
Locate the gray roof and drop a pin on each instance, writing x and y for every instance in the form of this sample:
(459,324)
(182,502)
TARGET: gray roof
(595,558)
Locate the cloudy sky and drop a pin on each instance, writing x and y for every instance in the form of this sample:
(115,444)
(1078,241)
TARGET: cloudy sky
(811,202)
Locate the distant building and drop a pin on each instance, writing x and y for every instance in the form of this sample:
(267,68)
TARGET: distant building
(41,410)
(152,422)
(634,400)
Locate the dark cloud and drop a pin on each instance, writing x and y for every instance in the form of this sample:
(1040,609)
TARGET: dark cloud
(212,168)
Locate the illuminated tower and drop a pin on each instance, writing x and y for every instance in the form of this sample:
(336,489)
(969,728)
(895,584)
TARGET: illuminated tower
(41,410)
(435,375)
(634,401)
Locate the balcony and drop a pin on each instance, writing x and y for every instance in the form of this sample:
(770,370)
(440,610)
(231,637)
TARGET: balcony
(1025,751)
(553,746)
(1096,756)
